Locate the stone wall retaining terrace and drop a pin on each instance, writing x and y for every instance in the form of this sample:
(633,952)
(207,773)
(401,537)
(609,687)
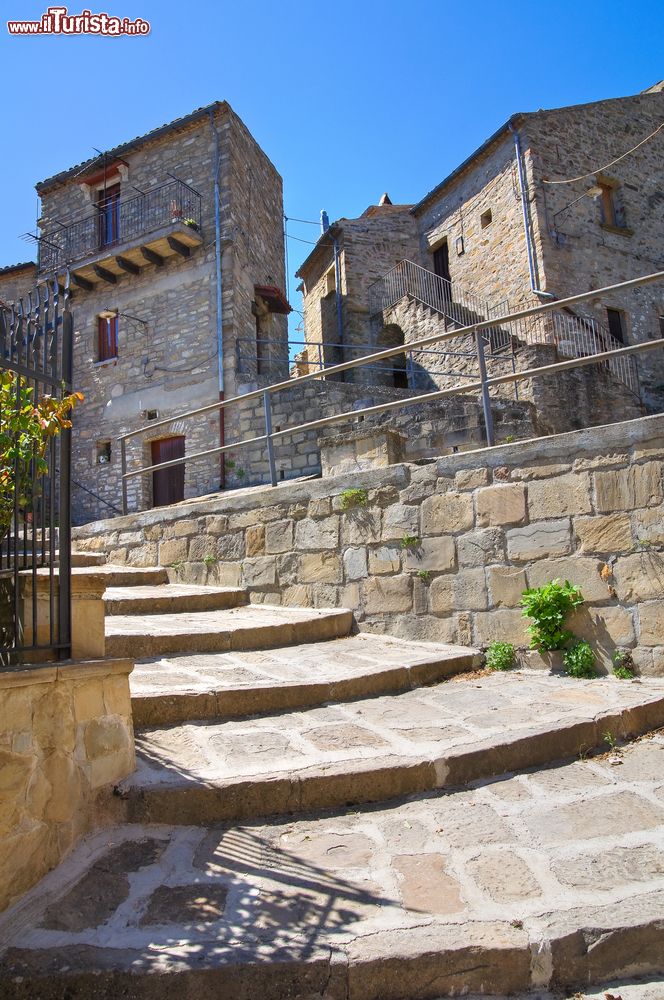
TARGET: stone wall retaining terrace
(587,506)
(66,737)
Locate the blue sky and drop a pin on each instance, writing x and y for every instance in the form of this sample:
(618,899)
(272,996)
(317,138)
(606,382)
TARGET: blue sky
(348,99)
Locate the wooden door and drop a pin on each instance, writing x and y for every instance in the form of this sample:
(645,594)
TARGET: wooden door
(109,215)
(167,484)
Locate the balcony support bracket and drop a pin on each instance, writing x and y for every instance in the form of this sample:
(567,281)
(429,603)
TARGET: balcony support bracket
(105,275)
(127,265)
(152,257)
(180,248)
(83,283)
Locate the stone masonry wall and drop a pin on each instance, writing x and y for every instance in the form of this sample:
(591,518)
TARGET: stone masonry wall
(587,506)
(66,737)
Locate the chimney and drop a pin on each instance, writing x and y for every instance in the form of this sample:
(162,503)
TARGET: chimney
(385,199)
(324,221)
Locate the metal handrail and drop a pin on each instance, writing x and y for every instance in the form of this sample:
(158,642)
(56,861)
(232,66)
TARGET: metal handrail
(483,385)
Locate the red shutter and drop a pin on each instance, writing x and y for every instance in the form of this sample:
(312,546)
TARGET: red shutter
(107,337)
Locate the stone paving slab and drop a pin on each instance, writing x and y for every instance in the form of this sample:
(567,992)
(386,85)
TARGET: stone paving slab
(484,891)
(378,748)
(171,597)
(207,685)
(254,627)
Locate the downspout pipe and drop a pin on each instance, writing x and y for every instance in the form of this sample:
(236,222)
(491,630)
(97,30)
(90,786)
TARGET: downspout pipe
(219,290)
(526,219)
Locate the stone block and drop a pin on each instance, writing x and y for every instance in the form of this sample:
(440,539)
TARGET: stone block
(567,494)
(320,567)
(298,596)
(180,529)
(651,623)
(498,505)
(202,546)
(447,513)
(582,571)
(536,541)
(279,536)
(320,508)
(230,545)
(462,591)
(470,479)
(360,526)
(355,563)
(478,548)
(386,595)
(627,489)
(225,574)
(105,735)
(605,534)
(399,520)
(260,571)
(640,576)
(88,700)
(433,554)
(506,585)
(254,538)
(143,555)
(604,628)
(649,525)
(385,559)
(501,625)
(311,535)
(173,551)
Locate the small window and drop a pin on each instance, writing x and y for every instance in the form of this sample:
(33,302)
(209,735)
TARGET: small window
(330,282)
(611,208)
(616,321)
(661,327)
(152,414)
(103,452)
(107,336)
(486,218)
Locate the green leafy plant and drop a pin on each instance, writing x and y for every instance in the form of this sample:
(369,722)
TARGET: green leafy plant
(610,740)
(500,656)
(353,498)
(191,223)
(643,543)
(423,574)
(240,473)
(410,542)
(548,607)
(579,661)
(210,560)
(623,664)
(26,426)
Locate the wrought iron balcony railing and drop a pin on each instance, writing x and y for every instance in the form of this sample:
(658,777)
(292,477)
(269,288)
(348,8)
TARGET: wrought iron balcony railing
(118,222)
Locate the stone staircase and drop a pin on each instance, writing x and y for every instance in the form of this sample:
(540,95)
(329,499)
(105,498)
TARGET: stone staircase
(328,816)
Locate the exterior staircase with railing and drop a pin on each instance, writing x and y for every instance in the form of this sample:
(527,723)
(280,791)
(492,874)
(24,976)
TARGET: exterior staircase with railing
(573,335)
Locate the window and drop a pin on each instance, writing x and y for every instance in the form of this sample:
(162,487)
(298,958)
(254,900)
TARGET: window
(107,336)
(330,282)
(661,327)
(486,218)
(616,321)
(103,452)
(612,213)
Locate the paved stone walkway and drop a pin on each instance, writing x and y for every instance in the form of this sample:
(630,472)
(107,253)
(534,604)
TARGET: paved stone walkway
(542,877)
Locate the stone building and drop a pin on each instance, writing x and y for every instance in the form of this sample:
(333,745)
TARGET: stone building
(530,216)
(174,244)
(17,281)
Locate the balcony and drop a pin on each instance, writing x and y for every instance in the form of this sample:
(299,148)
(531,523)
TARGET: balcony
(124,236)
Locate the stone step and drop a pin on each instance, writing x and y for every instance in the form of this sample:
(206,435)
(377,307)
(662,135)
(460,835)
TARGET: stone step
(231,685)
(120,576)
(257,626)
(88,559)
(375,749)
(539,883)
(171,598)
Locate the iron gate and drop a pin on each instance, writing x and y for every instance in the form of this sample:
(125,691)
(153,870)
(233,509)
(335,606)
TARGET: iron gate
(35,532)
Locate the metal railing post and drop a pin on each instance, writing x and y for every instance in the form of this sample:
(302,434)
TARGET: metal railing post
(268,438)
(123,459)
(486,399)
